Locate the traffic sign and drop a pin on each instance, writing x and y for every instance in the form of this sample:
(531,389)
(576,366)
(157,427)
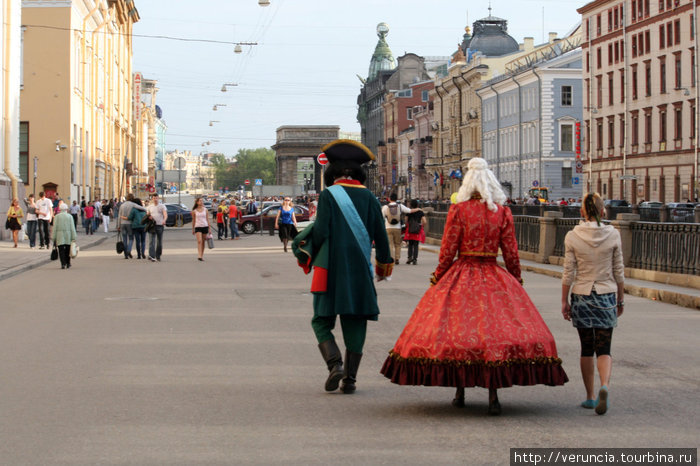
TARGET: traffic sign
(322,159)
(579,166)
(535,183)
(575,180)
(173,189)
(247,182)
(258,182)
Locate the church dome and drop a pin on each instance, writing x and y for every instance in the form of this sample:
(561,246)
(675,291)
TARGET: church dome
(491,38)
(382,59)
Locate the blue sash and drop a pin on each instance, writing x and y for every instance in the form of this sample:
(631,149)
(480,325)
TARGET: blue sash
(355,222)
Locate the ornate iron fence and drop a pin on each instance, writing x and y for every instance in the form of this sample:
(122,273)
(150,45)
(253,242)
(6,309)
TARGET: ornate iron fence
(564,225)
(436,224)
(666,247)
(527,232)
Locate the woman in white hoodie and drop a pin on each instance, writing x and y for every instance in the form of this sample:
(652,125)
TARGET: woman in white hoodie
(594,274)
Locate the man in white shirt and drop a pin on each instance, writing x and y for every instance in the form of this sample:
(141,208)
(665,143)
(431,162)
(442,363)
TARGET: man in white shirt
(159,214)
(392,221)
(44,212)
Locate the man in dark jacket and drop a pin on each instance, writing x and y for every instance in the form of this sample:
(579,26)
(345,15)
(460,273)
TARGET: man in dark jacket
(345,208)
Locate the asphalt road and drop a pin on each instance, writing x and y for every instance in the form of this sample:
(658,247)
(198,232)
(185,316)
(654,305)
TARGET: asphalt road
(190,363)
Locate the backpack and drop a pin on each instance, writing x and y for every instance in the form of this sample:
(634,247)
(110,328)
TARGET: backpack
(414,224)
(394,214)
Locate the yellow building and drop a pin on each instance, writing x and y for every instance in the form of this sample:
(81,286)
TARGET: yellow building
(77,108)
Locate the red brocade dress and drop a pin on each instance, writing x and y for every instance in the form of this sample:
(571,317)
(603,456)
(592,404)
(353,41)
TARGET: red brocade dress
(477,326)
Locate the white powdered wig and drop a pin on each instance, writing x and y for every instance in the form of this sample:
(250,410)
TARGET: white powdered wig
(480,180)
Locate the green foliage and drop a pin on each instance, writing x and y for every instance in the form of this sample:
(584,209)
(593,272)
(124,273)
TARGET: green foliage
(250,164)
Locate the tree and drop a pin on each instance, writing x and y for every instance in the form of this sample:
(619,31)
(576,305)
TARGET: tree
(250,164)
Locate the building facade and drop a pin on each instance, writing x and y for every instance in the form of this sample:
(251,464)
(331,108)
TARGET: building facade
(531,121)
(77,106)
(640,94)
(296,152)
(11,180)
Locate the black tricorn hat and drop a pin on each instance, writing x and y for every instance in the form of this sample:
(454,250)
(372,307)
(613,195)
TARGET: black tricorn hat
(347,149)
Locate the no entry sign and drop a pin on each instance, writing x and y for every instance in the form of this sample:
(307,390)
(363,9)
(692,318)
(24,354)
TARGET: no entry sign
(247,182)
(322,159)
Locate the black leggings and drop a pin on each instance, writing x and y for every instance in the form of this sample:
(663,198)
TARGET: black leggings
(595,341)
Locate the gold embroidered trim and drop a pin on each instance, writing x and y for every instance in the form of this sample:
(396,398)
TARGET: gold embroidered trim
(350,185)
(478,253)
(458,363)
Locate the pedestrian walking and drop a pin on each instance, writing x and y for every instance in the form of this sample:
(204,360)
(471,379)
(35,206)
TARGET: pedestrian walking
(63,235)
(415,233)
(200,226)
(286,222)
(89,218)
(14,219)
(220,222)
(594,273)
(138,227)
(106,213)
(159,214)
(74,210)
(233,214)
(476,325)
(124,224)
(44,211)
(392,215)
(31,220)
(348,221)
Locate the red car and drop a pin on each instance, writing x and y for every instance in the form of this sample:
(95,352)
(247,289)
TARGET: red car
(249,224)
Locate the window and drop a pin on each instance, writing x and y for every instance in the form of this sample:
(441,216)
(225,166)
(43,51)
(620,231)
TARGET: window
(692,68)
(634,46)
(599,135)
(677,32)
(640,43)
(692,122)
(622,130)
(647,127)
(610,20)
(646,8)
(647,72)
(634,10)
(617,51)
(662,36)
(566,181)
(566,137)
(662,75)
(597,25)
(611,132)
(24,151)
(409,113)
(678,72)
(635,129)
(692,28)
(599,85)
(588,61)
(662,125)
(669,34)
(611,87)
(661,5)
(566,96)
(424,96)
(616,19)
(634,83)
(678,122)
(647,40)
(610,53)
(599,59)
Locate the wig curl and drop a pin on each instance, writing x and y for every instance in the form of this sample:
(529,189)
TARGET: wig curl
(480,180)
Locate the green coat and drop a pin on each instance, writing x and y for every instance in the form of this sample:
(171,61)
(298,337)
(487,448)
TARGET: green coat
(350,287)
(63,229)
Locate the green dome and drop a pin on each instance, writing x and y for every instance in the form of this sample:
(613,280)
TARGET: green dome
(382,58)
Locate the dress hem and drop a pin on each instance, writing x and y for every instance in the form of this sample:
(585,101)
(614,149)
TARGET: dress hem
(478,373)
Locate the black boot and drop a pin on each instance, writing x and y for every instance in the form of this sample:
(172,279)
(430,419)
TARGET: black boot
(352,363)
(331,354)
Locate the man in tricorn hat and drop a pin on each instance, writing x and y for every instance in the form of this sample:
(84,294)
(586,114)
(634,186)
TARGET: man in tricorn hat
(348,221)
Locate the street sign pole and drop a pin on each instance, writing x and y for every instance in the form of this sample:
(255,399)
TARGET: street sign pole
(261,209)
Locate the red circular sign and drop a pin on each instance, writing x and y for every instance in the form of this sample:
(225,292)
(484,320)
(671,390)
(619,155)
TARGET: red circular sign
(247,182)
(322,159)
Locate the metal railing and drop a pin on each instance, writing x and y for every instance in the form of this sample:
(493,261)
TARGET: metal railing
(666,247)
(527,232)
(564,225)
(436,224)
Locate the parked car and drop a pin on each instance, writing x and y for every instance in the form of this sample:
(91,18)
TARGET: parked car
(683,212)
(249,224)
(616,203)
(174,213)
(650,205)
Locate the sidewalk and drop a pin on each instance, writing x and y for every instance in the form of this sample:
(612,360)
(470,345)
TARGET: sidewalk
(14,261)
(671,294)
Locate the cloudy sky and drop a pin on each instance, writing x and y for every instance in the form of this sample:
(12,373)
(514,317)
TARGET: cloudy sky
(305,66)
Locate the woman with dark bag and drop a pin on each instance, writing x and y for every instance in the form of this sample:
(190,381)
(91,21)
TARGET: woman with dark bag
(14,220)
(594,273)
(286,222)
(476,326)
(63,234)
(415,232)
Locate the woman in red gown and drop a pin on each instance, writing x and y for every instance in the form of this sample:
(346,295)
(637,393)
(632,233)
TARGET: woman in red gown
(476,326)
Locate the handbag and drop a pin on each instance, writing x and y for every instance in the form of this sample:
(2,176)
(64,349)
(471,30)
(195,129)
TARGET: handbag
(7,223)
(54,253)
(74,249)
(210,241)
(120,245)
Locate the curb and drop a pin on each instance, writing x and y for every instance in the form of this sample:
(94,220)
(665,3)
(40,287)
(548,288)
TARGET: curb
(40,262)
(653,294)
